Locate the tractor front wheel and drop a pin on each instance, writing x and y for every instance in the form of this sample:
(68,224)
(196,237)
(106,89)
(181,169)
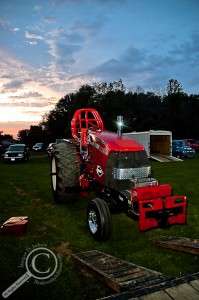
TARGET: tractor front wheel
(99,220)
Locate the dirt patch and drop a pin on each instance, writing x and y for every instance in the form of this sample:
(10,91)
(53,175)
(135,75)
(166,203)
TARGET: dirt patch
(63,249)
(41,228)
(50,224)
(36,200)
(49,205)
(20,192)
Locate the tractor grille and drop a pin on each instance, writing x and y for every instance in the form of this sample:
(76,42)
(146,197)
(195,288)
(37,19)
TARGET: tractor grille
(123,174)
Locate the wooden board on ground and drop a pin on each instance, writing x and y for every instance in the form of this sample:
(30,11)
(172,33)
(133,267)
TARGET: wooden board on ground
(178,243)
(118,274)
(133,282)
(178,289)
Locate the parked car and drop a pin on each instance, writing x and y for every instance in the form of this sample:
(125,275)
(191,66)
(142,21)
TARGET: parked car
(17,152)
(193,143)
(3,148)
(38,147)
(181,150)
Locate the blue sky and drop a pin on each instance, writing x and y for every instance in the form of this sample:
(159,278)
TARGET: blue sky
(50,48)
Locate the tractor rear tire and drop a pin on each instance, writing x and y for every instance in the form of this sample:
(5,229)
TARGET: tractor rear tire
(65,172)
(99,220)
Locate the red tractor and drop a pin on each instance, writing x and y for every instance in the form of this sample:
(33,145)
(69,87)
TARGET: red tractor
(118,170)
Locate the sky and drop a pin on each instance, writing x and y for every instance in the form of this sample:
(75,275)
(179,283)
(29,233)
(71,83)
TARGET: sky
(49,48)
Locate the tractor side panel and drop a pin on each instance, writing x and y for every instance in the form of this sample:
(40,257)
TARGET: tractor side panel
(97,162)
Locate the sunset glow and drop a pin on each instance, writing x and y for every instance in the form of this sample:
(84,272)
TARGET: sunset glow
(58,46)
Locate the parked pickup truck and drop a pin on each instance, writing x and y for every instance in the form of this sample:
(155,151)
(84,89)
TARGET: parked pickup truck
(193,143)
(181,150)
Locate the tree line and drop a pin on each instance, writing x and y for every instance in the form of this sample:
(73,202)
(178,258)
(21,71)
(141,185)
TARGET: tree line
(174,110)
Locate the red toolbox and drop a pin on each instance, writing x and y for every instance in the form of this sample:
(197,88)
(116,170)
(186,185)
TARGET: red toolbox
(15,226)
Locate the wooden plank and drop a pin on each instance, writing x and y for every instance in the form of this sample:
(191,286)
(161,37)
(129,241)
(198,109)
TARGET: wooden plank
(131,276)
(126,271)
(183,292)
(95,272)
(121,296)
(171,285)
(143,282)
(178,243)
(161,295)
(195,284)
(136,282)
(117,274)
(121,268)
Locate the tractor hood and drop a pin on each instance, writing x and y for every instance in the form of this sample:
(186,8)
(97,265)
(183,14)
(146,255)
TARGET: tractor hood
(112,141)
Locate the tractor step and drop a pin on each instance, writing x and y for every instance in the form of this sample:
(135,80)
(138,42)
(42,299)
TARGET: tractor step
(118,274)
(178,243)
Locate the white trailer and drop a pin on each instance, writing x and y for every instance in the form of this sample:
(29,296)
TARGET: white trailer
(157,143)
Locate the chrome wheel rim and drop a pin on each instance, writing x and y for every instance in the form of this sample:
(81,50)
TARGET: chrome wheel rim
(93,221)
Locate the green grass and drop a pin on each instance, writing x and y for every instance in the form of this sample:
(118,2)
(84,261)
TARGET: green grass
(25,190)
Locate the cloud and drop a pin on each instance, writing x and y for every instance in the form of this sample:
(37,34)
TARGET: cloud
(63,53)
(133,62)
(58,2)
(27,95)
(5,25)
(68,36)
(31,43)
(91,27)
(12,85)
(49,20)
(188,51)
(37,7)
(63,45)
(32,82)
(141,66)
(33,36)
(21,104)
(130,62)
(16,29)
